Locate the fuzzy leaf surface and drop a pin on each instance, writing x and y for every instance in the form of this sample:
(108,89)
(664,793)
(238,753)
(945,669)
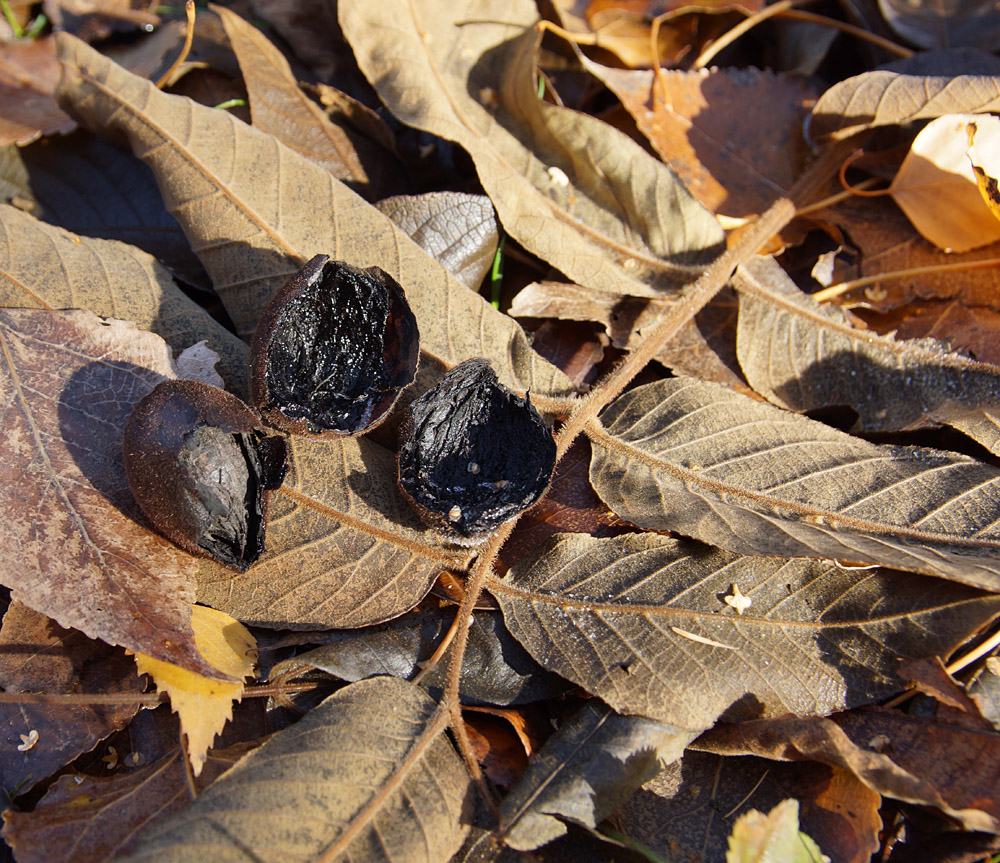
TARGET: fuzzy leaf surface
(571,189)
(352,780)
(641,621)
(701,460)
(255,212)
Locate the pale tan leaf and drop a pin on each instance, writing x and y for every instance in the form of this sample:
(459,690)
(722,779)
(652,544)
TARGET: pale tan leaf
(802,355)
(42,266)
(255,212)
(936,187)
(760,838)
(204,706)
(72,546)
(368,775)
(696,458)
(571,189)
(929,84)
(639,619)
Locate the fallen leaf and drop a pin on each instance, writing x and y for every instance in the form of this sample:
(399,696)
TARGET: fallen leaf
(357,781)
(88,819)
(344,549)
(804,355)
(569,188)
(47,267)
(457,229)
(984,135)
(37,655)
(29,73)
(280,107)
(734,161)
(985,690)
(910,758)
(706,462)
(936,187)
(96,189)
(93,20)
(702,348)
(585,772)
(72,547)
(252,233)
(927,85)
(887,243)
(639,618)
(688,808)
(496,670)
(760,838)
(203,705)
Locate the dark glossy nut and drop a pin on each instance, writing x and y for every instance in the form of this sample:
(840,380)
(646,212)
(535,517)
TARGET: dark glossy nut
(475,454)
(198,465)
(333,350)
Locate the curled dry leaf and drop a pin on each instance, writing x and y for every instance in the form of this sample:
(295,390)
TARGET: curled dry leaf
(457,229)
(936,187)
(802,355)
(637,619)
(569,188)
(253,228)
(340,775)
(695,458)
(585,772)
(69,381)
(929,84)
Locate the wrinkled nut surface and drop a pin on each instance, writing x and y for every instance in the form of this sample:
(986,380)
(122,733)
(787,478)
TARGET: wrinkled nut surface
(333,350)
(199,465)
(475,454)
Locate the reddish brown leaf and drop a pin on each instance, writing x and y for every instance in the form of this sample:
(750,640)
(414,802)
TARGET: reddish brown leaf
(71,545)
(29,73)
(911,758)
(735,161)
(38,655)
(87,819)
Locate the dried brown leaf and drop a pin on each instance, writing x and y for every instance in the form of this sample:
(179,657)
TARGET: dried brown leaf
(569,188)
(72,547)
(734,161)
(926,85)
(457,229)
(38,655)
(368,775)
(46,267)
(930,24)
(803,355)
(669,815)
(255,212)
(696,458)
(912,758)
(29,73)
(642,621)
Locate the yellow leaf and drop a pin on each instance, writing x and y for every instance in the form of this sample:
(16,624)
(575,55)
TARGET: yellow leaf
(984,154)
(936,188)
(203,705)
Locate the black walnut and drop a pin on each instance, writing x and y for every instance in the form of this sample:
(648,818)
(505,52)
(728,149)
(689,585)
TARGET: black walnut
(199,466)
(474,454)
(333,350)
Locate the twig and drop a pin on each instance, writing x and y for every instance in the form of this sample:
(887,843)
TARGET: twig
(837,290)
(185,49)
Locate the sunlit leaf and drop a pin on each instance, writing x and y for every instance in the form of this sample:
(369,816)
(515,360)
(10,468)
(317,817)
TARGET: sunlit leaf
(706,462)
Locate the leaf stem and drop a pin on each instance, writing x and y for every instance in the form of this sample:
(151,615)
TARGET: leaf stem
(8,13)
(842,288)
(185,49)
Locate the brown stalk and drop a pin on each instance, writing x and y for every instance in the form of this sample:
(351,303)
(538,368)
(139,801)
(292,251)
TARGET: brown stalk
(715,277)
